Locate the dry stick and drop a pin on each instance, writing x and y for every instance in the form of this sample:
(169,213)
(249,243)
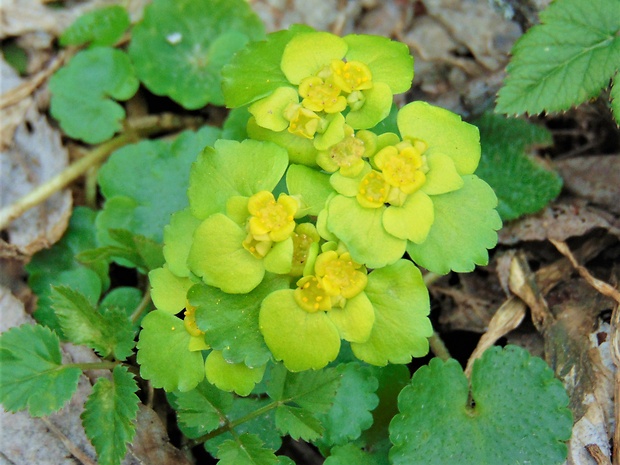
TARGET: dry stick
(141,128)
(71,447)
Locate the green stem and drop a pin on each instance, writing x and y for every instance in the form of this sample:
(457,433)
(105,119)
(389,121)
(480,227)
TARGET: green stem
(438,347)
(105,365)
(142,306)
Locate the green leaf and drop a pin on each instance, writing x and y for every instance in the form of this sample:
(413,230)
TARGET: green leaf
(233,169)
(179,51)
(347,455)
(232,377)
(465,227)
(522,185)
(109,415)
(437,424)
(100,27)
(33,376)
(313,186)
(402,328)
(82,93)
(230,321)
(312,390)
(246,449)
(354,401)
(164,356)
(564,61)
(615,98)
(145,183)
(108,333)
(132,250)
(255,71)
(124,298)
(58,266)
(202,409)
(298,423)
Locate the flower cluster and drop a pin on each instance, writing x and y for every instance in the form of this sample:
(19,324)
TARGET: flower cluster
(300,231)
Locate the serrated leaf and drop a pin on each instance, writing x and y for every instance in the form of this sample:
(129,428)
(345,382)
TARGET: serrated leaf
(263,58)
(58,266)
(298,423)
(353,404)
(232,377)
(313,390)
(179,50)
(33,376)
(100,27)
(145,183)
(109,415)
(347,455)
(108,333)
(521,184)
(247,449)
(164,356)
(615,98)
(133,250)
(202,409)
(230,321)
(83,93)
(125,300)
(565,60)
(464,229)
(262,425)
(520,414)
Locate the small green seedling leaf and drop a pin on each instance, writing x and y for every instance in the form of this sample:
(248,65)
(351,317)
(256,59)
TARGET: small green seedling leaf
(33,376)
(109,415)
(202,409)
(521,184)
(145,183)
(83,93)
(100,27)
(59,266)
(565,60)
(180,47)
(247,449)
(108,332)
(520,414)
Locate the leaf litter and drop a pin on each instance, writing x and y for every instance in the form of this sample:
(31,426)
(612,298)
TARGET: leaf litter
(461,49)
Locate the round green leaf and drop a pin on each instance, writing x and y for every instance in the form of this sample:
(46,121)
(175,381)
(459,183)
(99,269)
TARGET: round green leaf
(101,27)
(376,107)
(442,176)
(300,339)
(82,93)
(218,257)
(465,227)
(164,356)
(227,376)
(402,328)
(355,320)
(180,47)
(178,240)
(233,168)
(313,186)
(362,231)
(444,132)
(169,291)
(520,414)
(413,220)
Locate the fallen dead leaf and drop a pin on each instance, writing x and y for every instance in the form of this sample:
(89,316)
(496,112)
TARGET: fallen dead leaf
(13,109)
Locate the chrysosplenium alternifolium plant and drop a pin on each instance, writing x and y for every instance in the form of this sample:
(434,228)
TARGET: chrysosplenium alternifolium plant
(294,238)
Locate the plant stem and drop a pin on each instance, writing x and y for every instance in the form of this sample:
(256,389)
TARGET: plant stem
(438,347)
(143,305)
(104,365)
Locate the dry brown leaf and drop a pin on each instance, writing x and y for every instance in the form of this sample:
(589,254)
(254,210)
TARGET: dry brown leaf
(595,178)
(14,113)
(559,221)
(36,155)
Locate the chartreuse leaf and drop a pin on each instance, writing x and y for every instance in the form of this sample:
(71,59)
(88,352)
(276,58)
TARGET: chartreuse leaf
(145,183)
(178,240)
(168,291)
(132,250)
(179,50)
(263,58)
(521,184)
(246,449)
(227,376)
(351,411)
(465,227)
(164,356)
(109,415)
(82,93)
(100,27)
(347,455)
(402,328)
(58,266)
(520,413)
(233,168)
(565,60)
(109,332)
(33,376)
(230,321)
(312,185)
(202,409)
